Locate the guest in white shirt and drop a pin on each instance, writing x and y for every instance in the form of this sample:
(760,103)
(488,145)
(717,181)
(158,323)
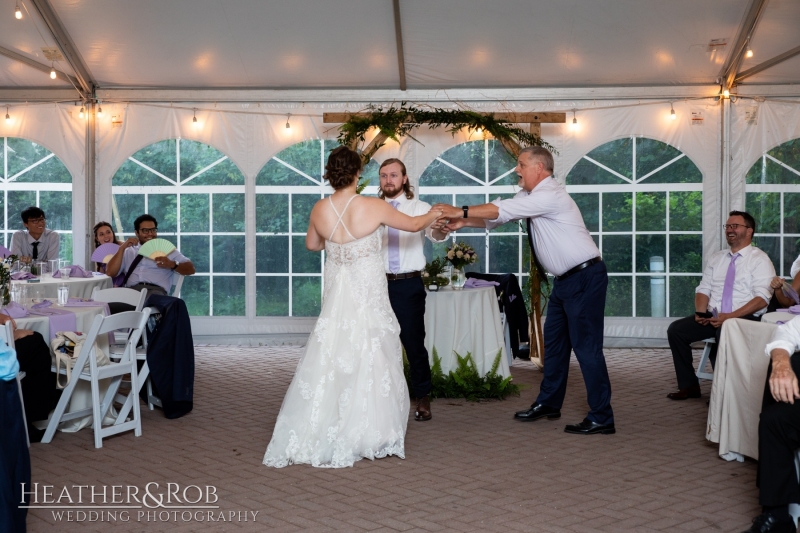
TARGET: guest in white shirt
(404,260)
(735,284)
(778,435)
(561,245)
(37,243)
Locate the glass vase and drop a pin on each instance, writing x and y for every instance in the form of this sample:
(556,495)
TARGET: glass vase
(6,292)
(458,279)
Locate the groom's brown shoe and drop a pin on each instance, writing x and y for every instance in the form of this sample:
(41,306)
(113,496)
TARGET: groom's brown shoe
(423,411)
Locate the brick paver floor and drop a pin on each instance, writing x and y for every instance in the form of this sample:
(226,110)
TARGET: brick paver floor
(472,468)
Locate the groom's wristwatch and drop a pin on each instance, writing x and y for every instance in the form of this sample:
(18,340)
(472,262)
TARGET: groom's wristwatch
(466,210)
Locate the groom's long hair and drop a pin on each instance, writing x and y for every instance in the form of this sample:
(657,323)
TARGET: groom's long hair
(408,189)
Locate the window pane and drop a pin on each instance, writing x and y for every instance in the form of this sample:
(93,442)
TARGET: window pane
(788,153)
(229,296)
(23,153)
(304,260)
(500,162)
(647,247)
(469,157)
(129,206)
(619,297)
(681,171)
(617,212)
(194,213)
(17,202)
(685,253)
(132,175)
(651,296)
(791,249)
(587,173)
(681,295)
(478,244)
(651,211)
(161,157)
(515,226)
(65,246)
(225,173)
(195,247)
(272,213)
(470,199)
(617,253)
(272,296)
(194,292)
(616,155)
(229,253)
(302,204)
(438,173)
(228,212)
(306,295)
(504,254)
(589,205)
(435,249)
(272,254)
(57,205)
(791,212)
(165,208)
(686,211)
(766,209)
(51,171)
(770,246)
(651,154)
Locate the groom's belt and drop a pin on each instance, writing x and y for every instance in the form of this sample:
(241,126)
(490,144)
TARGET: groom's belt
(578,268)
(404,275)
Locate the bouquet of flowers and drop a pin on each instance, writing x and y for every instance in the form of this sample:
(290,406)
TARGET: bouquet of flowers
(434,271)
(460,255)
(5,278)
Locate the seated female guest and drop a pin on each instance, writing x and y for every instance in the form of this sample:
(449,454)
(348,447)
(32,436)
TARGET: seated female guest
(785,300)
(103,234)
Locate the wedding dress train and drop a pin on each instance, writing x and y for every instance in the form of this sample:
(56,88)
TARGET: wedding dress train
(348,398)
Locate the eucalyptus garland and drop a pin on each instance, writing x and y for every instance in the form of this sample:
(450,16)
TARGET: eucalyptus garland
(398,122)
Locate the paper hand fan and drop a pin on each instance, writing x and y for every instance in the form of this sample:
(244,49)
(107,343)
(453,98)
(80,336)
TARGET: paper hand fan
(789,292)
(4,252)
(156,248)
(104,252)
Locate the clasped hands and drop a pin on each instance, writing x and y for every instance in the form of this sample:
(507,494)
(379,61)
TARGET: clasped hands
(451,218)
(713,321)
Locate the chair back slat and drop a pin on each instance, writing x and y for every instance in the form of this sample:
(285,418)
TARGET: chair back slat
(122,295)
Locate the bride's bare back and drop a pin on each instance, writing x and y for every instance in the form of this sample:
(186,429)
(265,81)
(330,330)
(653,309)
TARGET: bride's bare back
(360,216)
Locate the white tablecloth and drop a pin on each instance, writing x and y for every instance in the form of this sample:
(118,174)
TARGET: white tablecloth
(47,287)
(738,388)
(774,318)
(465,321)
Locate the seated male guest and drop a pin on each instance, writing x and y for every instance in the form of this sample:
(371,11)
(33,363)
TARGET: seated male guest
(37,243)
(779,433)
(155,275)
(735,284)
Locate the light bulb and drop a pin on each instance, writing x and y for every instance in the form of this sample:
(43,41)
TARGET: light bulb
(81,114)
(52,73)
(672,114)
(99,111)
(288,126)
(17,12)
(8,117)
(195,124)
(726,93)
(574,122)
(479,131)
(749,53)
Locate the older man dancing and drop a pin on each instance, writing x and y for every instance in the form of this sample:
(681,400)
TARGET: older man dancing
(561,244)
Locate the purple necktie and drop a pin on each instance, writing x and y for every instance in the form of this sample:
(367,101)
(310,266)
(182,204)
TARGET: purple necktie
(394,245)
(727,289)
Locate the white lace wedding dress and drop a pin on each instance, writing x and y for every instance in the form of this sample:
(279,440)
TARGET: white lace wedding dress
(348,398)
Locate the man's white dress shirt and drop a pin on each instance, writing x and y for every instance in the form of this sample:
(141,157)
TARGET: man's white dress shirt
(560,236)
(22,244)
(787,336)
(754,272)
(412,254)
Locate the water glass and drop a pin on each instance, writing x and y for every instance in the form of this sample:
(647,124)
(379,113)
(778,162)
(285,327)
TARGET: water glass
(17,293)
(63,293)
(64,272)
(39,268)
(53,266)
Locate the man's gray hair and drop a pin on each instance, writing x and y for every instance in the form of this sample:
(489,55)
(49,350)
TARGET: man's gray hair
(540,154)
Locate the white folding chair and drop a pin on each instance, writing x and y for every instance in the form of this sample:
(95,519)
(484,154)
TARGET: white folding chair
(134,321)
(176,290)
(122,295)
(701,368)
(7,334)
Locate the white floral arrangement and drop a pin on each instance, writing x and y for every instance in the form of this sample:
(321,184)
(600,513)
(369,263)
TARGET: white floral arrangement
(460,255)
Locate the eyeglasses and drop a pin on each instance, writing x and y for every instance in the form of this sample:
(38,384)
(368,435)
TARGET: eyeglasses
(734,226)
(39,220)
(148,231)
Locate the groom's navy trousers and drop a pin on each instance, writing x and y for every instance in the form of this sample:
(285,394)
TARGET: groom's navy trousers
(575,322)
(407,297)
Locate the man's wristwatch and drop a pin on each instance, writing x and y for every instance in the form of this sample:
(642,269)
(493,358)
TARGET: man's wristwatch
(176,265)
(466,210)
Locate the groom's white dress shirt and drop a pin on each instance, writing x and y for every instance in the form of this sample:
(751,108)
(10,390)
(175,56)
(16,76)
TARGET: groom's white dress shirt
(412,254)
(754,272)
(560,236)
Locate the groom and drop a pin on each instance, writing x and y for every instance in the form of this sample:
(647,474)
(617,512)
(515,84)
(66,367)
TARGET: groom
(404,260)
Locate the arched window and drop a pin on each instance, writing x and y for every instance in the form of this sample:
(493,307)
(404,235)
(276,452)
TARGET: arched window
(289,277)
(772,196)
(197,195)
(476,172)
(641,200)
(32,175)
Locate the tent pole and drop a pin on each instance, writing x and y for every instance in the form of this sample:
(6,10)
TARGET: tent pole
(90,173)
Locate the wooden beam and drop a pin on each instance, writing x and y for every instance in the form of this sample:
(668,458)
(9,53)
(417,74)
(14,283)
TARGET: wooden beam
(398,33)
(767,64)
(514,118)
(536,129)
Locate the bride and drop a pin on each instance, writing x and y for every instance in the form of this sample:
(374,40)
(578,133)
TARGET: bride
(348,398)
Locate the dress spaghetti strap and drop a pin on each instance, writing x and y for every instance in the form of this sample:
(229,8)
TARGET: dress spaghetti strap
(340,221)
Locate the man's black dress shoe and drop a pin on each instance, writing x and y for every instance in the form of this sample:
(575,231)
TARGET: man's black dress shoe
(587,427)
(684,394)
(538,411)
(766,523)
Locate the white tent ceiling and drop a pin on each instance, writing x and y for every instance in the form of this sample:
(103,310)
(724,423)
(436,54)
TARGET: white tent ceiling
(351,44)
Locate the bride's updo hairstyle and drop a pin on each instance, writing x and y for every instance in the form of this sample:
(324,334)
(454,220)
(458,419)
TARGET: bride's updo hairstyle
(342,167)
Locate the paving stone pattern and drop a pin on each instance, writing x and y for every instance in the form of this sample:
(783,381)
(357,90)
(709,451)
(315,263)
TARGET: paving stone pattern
(472,468)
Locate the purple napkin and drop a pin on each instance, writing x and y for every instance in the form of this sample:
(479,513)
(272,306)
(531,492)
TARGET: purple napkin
(475,283)
(60,320)
(80,302)
(14,310)
(5,252)
(22,275)
(75,271)
(42,304)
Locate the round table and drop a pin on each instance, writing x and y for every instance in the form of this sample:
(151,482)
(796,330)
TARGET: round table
(465,321)
(47,286)
(777,316)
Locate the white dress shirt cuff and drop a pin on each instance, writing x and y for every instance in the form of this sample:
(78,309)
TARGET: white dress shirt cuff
(784,345)
(500,220)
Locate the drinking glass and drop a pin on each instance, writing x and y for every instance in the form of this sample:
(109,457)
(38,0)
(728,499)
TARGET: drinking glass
(53,265)
(39,268)
(17,292)
(63,293)
(64,272)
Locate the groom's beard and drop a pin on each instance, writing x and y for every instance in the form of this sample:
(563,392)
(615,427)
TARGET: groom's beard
(391,192)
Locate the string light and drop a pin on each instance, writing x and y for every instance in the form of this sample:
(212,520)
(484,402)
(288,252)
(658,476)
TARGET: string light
(195,124)
(574,121)
(52,71)
(8,117)
(288,126)
(18,12)
(99,110)
(81,114)
(672,115)
(726,93)
(749,53)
